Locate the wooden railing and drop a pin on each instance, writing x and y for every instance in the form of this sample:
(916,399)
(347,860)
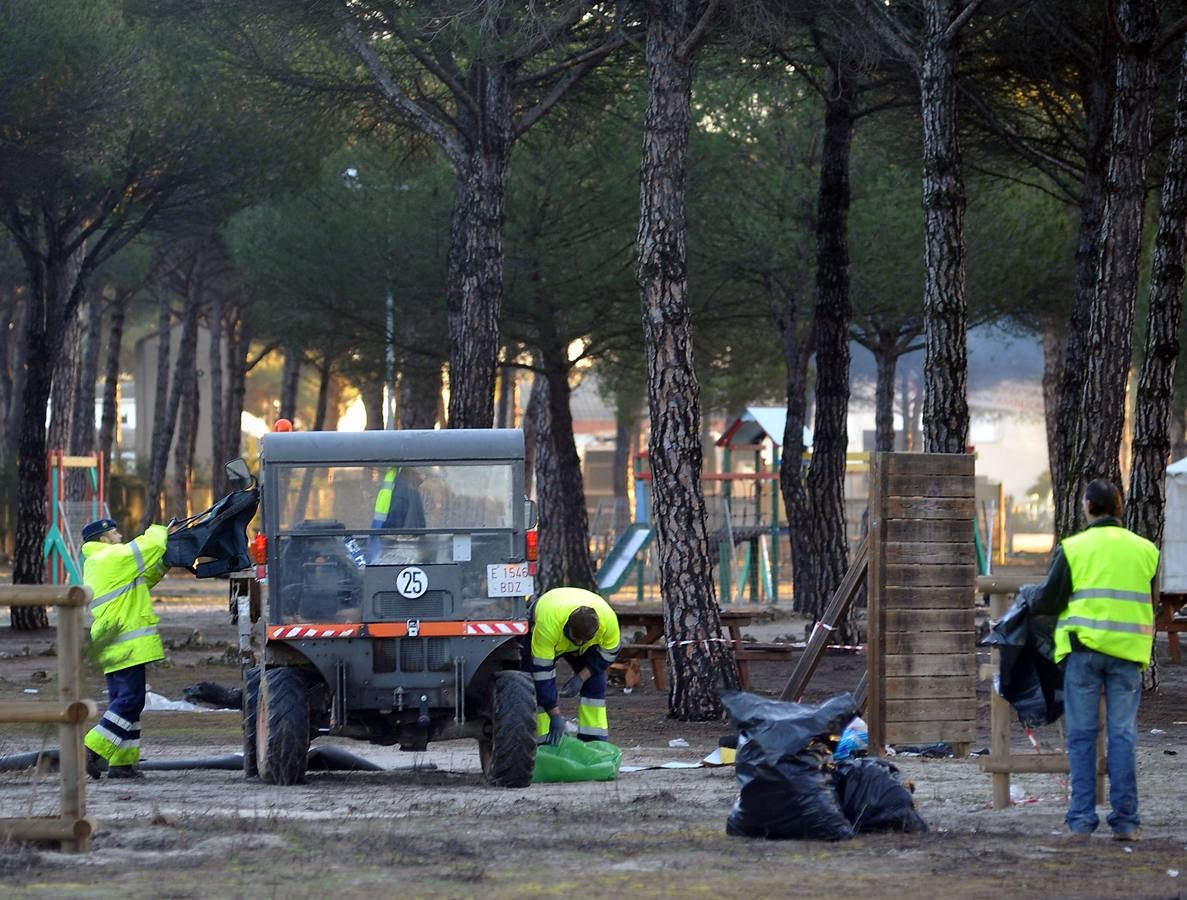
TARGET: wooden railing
(71,827)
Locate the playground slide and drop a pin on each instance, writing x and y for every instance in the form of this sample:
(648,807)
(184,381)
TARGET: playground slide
(614,570)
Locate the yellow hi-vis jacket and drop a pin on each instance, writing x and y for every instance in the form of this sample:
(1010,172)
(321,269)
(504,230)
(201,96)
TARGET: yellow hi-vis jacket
(1110,609)
(549,615)
(124,632)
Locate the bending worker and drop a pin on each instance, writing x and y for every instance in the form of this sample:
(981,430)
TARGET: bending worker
(581,627)
(123,637)
(1100,587)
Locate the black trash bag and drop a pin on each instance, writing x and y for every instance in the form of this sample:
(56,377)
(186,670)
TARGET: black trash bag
(874,799)
(785,786)
(214,694)
(214,542)
(1028,676)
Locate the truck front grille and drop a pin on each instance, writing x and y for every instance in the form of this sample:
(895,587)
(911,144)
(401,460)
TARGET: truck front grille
(394,606)
(424,654)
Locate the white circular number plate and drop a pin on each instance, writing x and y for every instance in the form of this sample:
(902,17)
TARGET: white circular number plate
(412,582)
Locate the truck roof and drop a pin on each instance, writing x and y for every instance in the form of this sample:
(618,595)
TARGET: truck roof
(384,447)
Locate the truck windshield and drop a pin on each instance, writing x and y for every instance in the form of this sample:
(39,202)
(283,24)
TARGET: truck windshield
(397,498)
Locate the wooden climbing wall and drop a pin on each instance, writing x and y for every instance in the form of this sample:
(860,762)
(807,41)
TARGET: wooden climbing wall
(922,579)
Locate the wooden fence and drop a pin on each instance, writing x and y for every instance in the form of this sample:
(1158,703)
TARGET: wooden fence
(71,827)
(921,645)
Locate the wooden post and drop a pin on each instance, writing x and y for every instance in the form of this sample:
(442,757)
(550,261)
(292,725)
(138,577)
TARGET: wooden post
(999,719)
(71,765)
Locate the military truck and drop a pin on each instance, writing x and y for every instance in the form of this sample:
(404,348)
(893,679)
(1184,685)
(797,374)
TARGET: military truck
(388,598)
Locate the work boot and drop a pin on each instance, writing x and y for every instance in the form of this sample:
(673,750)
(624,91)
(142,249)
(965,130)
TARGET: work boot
(124,772)
(96,764)
(1134,834)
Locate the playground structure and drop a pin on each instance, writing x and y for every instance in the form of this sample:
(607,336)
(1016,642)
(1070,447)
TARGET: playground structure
(70,828)
(68,476)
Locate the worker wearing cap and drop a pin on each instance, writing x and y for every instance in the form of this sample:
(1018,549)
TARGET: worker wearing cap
(581,627)
(124,636)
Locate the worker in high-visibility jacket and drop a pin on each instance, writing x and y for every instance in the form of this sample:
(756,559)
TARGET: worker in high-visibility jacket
(124,637)
(1100,586)
(397,505)
(579,626)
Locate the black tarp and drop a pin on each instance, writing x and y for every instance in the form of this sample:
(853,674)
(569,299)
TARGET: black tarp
(1027,675)
(214,542)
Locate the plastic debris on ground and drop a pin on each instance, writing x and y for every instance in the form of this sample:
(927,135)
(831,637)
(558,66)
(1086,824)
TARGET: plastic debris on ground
(576,760)
(678,742)
(855,740)
(157,703)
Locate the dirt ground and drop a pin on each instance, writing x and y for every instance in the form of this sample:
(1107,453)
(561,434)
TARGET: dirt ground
(438,830)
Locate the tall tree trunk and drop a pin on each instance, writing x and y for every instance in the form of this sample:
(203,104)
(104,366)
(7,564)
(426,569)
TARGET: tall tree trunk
(886,365)
(945,308)
(16,403)
(55,286)
(218,438)
(531,430)
(160,442)
(109,421)
(290,383)
(830,442)
(9,310)
(372,393)
(505,405)
(1096,439)
(1146,503)
(164,429)
(64,393)
(325,373)
(626,430)
(797,330)
(1052,378)
(187,428)
(420,394)
(700,659)
(475,273)
(238,346)
(564,522)
(1074,357)
(82,441)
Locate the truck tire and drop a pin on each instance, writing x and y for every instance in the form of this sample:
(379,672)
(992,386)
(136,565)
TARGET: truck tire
(282,727)
(251,697)
(509,754)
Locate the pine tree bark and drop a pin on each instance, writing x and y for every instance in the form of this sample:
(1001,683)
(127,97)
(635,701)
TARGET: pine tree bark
(290,383)
(420,394)
(564,522)
(475,273)
(109,421)
(830,443)
(1096,436)
(797,331)
(16,402)
(1074,356)
(9,310)
(626,432)
(1145,511)
(187,429)
(372,393)
(218,439)
(504,406)
(945,308)
(64,391)
(886,368)
(238,345)
(161,393)
(82,440)
(700,659)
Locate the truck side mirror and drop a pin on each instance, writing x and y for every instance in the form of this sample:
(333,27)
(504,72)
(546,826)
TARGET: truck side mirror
(238,474)
(531,515)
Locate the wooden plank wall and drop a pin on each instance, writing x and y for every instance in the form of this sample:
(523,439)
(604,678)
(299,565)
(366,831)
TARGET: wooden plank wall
(921,589)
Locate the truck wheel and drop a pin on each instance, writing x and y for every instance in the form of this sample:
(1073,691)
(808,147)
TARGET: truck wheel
(282,727)
(251,697)
(509,754)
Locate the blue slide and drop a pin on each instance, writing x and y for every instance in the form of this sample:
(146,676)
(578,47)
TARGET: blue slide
(616,566)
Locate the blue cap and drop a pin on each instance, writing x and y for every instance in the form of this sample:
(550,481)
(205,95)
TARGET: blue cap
(96,528)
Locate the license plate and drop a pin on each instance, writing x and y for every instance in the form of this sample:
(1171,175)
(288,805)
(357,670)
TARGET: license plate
(512,580)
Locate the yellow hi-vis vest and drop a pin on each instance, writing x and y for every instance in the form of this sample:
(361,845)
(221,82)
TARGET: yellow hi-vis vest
(1110,609)
(383,500)
(552,610)
(124,633)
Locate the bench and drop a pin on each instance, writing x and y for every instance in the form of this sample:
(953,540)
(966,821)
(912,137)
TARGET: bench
(745,652)
(1172,624)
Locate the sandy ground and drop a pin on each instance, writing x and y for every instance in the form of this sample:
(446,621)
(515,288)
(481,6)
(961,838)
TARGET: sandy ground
(659,832)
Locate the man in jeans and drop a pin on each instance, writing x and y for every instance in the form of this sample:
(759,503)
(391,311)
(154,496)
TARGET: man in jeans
(1100,587)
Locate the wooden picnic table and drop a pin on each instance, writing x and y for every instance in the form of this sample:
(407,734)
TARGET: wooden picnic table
(1167,620)
(653,647)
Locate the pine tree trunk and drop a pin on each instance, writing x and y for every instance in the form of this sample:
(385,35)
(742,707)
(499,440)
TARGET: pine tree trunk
(238,345)
(531,431)
(475,273)
(625,434)
(325,373)
(187,429)
(420,394)
(82,440)
(1096,438)
(504,407)
(564,522)
(64,391)
(798,345)
(164,429)
(886,365)
(218,439)
(160,442)
(945,310)
(9,309)
(1145,511)
(16,405)
(830,443)
(701,662)
(1074,357)
(1052,378)
(372,393)
(109,421)
(290,383)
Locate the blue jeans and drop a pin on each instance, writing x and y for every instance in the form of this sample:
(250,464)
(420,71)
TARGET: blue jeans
(1087,674)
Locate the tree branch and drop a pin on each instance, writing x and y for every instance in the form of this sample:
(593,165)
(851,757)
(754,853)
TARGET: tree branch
(392,93)
(961,20)
(887,29)
(685,50)
(549,35)
(442,73)
(533,115)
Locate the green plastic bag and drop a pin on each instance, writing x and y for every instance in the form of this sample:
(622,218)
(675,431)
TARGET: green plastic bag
(574,760)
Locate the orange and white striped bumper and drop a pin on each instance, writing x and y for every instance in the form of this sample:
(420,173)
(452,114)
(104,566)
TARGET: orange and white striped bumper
(315,631)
